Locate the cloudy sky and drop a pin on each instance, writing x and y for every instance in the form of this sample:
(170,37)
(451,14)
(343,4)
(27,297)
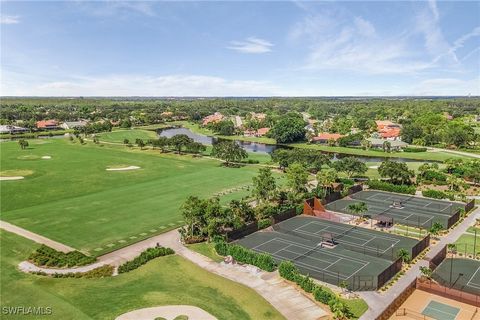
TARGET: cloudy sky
(262,48)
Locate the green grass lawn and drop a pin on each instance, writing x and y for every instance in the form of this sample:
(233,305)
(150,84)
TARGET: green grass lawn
(72,199)
(206,249)
(435,156)
(119,135)
(169,280)
(466,244)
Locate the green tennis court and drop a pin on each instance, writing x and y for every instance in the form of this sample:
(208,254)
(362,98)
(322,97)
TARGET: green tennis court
(459,273)
(351,237)
(361,258)
(440,311)
(413,211)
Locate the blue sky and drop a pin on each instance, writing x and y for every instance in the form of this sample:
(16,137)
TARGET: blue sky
(230,48)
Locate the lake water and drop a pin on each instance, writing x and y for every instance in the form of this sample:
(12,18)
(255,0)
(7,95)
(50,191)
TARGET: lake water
(264,148)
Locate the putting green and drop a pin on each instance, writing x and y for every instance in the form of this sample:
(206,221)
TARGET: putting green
(72,199)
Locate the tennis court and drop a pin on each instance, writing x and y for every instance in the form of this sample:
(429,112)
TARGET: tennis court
(460,274)
(361,258)
(440,311)
(351,237)
(413,211)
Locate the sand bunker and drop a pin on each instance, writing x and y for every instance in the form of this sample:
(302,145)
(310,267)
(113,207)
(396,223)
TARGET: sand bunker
(167,312)
(123,168)
(11,178)
(373,167)
(46,157)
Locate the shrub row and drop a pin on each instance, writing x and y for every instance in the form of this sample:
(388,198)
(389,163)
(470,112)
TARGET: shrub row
(385,186)
(46,256)
(433,175)
(436,194)
(287,270)
(413,149)
(144,257)
(100,272)
(241,254)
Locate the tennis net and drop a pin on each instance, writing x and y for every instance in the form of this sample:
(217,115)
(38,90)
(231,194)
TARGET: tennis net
(340,235)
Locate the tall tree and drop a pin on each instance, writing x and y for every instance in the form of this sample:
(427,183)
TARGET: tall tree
(297,178)
(290,128)
(350,166)
(229,151)
(264,185)
(325,180)
(180,141)
(397,172)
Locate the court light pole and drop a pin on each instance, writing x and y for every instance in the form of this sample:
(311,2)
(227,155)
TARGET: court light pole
(451,270)
(475,244)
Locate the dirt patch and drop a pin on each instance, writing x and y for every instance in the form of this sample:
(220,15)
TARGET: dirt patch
(122,168)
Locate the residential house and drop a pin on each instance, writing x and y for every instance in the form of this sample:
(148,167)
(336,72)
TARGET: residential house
(258,116)
(394,144)
(47,125)
(9,129)
(325,137)
(256,133)
(213,118)
(238,122)
(74,124)
(388,130)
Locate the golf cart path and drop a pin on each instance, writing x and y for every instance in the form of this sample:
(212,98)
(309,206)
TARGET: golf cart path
(378,302)
(35,237)
(290,302)
(167,312)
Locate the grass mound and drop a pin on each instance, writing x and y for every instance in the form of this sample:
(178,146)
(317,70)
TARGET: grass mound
(15,173)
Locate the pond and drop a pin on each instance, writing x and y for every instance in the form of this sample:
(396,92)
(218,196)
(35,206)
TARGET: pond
(265,148)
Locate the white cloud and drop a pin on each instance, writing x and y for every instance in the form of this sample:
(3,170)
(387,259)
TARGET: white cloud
(447,87)
(338,42)
(115,8)
(251,45)
(434,9)
(459,43)
(9,19)
(140,85)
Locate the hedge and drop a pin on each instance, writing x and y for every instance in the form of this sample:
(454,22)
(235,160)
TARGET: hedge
(289,271)
(100,272)
(385,186)
(46,256)
(436,194)
(144,257)
(413,149)
(432,175)
(262,260)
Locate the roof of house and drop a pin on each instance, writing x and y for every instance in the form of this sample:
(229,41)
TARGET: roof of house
(217,116)
(390,133)
(8,128)
(47,123)
(72,124)
(328,136)
(263,131)
(393,143)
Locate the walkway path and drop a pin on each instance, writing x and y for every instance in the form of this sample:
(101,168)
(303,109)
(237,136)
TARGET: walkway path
(284,297)
(462,153)
(35,237)
(377,302)
(167,312)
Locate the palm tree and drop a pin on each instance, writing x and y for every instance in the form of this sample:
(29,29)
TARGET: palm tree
(387,146)
(357,209)
(404,255)
(325,179)
(426,272)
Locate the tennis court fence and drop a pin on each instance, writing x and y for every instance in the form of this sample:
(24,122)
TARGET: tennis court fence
(453,219)
(466,250)
(446,292)
(435,261)
(420,246)
(253,227)
(470,205)
(388,273)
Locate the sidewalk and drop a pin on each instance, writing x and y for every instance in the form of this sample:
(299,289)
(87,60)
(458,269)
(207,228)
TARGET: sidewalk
(377,302)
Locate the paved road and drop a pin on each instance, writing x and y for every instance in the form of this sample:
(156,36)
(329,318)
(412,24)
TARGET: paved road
(35,237)
(377,302)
